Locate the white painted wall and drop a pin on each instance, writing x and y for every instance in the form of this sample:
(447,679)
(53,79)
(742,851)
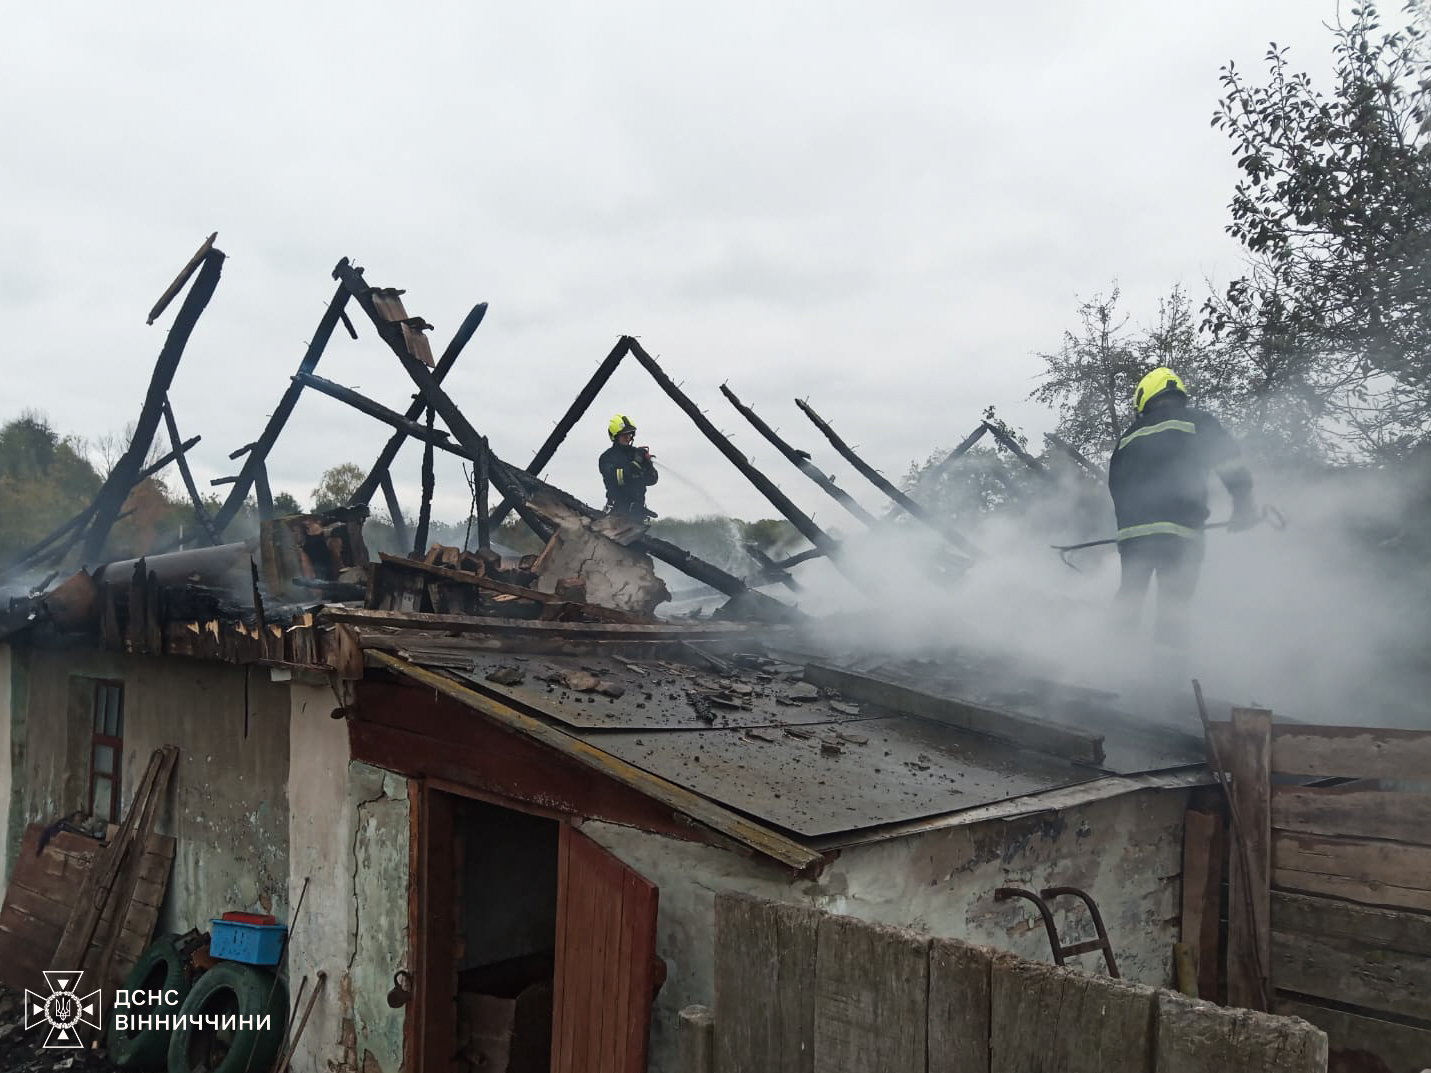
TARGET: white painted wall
(7,774)
(320,849)
(1127,852)
(349,836)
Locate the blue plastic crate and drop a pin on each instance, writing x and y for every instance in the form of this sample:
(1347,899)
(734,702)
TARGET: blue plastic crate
(253,944)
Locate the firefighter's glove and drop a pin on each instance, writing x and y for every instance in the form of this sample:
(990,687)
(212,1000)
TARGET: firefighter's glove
(1244,515)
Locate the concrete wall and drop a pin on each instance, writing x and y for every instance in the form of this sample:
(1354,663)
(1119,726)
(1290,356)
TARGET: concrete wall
(227,803)
(350,838)
(1126,852)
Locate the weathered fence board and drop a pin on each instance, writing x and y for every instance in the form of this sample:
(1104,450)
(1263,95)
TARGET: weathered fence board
(958,1007)
(1352,972)
(1377,873)
(765,963)
(1401,817)
(1197,1037)
(1371,752)
(1051,1020)
(1250,870)
(1384,929)
(1404,1049)
(871,998)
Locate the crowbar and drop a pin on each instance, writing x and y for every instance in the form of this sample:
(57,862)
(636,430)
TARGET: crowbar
(1271,515)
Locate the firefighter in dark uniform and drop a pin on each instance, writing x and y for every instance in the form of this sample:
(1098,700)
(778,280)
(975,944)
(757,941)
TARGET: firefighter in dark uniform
(627,471)
(1158,477)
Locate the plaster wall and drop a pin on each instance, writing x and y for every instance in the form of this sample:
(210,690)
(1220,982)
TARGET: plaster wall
(1126,852)
(227,802)
(7,768)
(350,839)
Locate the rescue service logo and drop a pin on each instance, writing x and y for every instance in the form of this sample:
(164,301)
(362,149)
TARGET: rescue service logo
(63,1009)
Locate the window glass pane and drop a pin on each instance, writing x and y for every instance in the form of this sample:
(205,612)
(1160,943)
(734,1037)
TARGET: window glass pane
(114,717)
(103,789)
(100,693)
(103,759)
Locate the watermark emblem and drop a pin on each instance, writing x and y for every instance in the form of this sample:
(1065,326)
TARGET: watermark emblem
(63,1009)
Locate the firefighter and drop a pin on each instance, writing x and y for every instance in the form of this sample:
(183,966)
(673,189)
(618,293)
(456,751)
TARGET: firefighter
(627,470)
(1158,477)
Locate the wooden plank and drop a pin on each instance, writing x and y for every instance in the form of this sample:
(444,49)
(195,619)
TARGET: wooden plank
(1351,1036)
(871,998)
(959,1006)
(641,903)
(1197,1037)
(1045,1019)
(1389,814)
(1368,752)
(464,624)
(1202,877)
(38,903)
(695,1037)
(1375,958)
(560,974)
(1355,890)
(1382,928)
(1248,927)
(1377,873)
(764,985)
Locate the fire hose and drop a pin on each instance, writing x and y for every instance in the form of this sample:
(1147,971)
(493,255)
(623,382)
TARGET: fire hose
(1271,515)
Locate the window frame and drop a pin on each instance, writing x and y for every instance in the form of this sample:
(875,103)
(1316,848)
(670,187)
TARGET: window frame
(98,737)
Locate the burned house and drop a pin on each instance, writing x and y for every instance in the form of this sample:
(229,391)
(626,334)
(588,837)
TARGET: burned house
(531,819)
(496,800)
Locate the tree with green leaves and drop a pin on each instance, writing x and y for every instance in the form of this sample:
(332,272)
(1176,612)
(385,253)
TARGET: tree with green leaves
(337,486)
(45,479)
(1090,379)
(1330,327)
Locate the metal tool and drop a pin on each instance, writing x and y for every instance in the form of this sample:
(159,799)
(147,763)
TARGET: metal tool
(1271,515)
(1060,951)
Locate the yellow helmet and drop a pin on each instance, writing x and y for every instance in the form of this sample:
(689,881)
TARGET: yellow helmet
(619,424)
(1154,384)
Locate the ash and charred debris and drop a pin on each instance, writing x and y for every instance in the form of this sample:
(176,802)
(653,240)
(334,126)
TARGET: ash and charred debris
(25,1052)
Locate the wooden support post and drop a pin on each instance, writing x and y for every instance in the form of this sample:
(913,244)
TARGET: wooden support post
(697,1040)
(1075,454)
(568,421)
(181,279)
(781,502)
(483,477)
(110,500)
(1249,953)
(424,513)
(394,510)
(263,494)
(933,473)
(512,483)
(1017,450)
(201,513)
(884,485)
(363,495)
(259,449)
(800,459)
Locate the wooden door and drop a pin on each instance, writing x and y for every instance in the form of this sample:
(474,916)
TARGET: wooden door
(605,961)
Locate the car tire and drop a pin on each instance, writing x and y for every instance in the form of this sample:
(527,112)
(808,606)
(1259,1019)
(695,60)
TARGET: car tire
(161,967)
(229,992)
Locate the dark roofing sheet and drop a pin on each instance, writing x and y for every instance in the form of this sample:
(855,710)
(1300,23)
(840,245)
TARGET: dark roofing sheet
(654,695)
(825,778)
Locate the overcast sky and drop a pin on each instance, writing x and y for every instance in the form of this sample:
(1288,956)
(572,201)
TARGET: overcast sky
(888,209)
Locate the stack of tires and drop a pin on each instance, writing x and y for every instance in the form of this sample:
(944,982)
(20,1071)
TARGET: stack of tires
(210,1008)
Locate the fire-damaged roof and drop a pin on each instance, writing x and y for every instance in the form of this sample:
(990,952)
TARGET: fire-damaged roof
(820,757)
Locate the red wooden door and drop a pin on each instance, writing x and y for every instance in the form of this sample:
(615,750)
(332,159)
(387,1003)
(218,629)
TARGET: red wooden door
(605,961)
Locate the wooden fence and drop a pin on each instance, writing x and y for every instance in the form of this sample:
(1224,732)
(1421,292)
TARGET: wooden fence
(1337,824)
(798,991)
